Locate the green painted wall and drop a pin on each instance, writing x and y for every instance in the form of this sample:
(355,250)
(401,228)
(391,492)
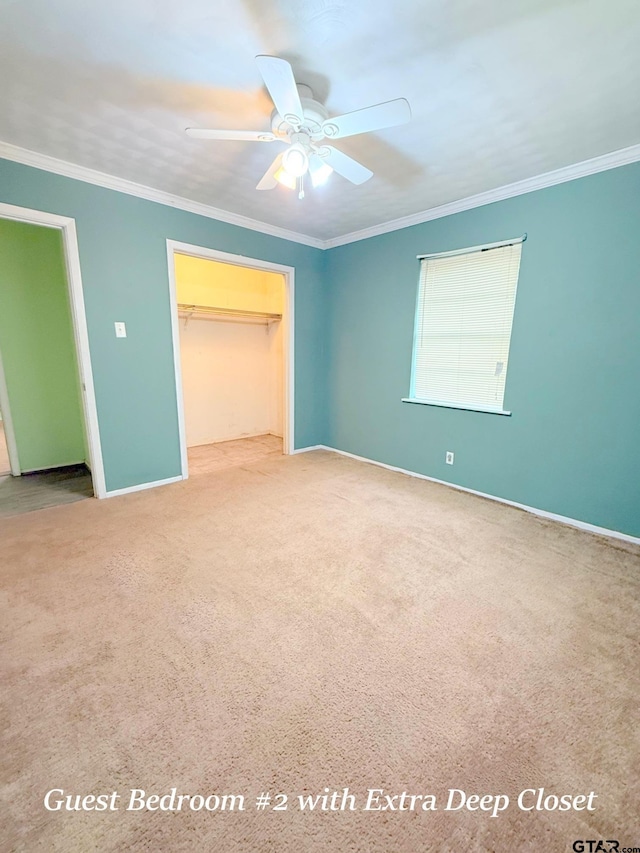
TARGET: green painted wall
(123,256)
(37,346)
(572,446)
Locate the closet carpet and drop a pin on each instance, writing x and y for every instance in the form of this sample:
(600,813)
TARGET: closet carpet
(300,623)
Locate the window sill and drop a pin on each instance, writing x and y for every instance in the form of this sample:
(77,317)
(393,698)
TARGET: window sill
(455,406)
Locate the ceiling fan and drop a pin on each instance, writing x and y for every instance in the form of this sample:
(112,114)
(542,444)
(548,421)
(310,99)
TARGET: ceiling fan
(304,124)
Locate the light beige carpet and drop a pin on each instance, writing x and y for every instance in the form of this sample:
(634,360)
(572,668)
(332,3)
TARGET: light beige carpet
(305,622)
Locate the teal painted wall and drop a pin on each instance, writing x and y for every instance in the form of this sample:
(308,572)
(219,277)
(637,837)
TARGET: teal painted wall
(37,346)
(124,270)
(572,446)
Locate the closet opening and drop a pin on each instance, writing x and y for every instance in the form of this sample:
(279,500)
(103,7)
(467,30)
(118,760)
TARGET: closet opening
(233,347)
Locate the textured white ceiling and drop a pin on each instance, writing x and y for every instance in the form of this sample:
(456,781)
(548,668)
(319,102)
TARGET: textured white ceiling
(501,90)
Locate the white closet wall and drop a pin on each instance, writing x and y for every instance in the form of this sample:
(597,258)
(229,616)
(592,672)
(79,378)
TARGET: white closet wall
(276,380)
(229,380)
(232,369)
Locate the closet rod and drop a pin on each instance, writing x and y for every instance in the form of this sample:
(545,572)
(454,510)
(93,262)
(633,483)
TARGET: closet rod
(211,311)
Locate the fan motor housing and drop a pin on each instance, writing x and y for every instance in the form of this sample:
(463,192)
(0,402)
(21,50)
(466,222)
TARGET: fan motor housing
(315,114)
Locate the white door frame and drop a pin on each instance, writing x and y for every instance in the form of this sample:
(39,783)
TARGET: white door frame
(81,336)
(9,435)
(174,247)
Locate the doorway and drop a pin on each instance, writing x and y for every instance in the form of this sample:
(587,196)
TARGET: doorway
(233,349)
(49,422)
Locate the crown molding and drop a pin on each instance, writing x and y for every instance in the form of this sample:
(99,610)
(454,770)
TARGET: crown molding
(602,163)
(101,179)
(621,157)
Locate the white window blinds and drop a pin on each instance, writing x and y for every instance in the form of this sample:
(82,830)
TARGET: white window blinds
(464,314)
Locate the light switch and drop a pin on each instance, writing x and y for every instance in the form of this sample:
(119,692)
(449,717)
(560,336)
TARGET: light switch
(121,330)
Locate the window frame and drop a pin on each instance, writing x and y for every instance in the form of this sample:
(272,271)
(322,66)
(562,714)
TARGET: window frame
(444,403)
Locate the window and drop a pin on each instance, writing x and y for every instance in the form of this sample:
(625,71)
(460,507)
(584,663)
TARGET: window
(463,322)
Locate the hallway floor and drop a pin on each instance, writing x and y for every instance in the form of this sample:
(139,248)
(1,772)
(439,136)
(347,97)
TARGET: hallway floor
(44,489)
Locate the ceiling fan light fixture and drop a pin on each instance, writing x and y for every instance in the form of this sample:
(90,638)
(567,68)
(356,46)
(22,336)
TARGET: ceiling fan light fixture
(285,178)
(304,123)
(319,172)
(295,160)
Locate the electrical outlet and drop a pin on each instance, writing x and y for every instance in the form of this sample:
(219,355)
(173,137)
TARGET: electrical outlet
(448,458)
(121,330)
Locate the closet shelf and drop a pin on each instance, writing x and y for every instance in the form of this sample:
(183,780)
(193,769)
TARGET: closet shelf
(211,313)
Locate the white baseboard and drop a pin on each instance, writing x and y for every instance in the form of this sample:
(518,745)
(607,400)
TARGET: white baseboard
(563,519)
(142,486)
(232,438)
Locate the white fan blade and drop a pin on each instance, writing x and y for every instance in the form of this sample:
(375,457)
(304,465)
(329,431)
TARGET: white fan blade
(268,182)
(239,135)
(279,80)
(347,166)
(377,117)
